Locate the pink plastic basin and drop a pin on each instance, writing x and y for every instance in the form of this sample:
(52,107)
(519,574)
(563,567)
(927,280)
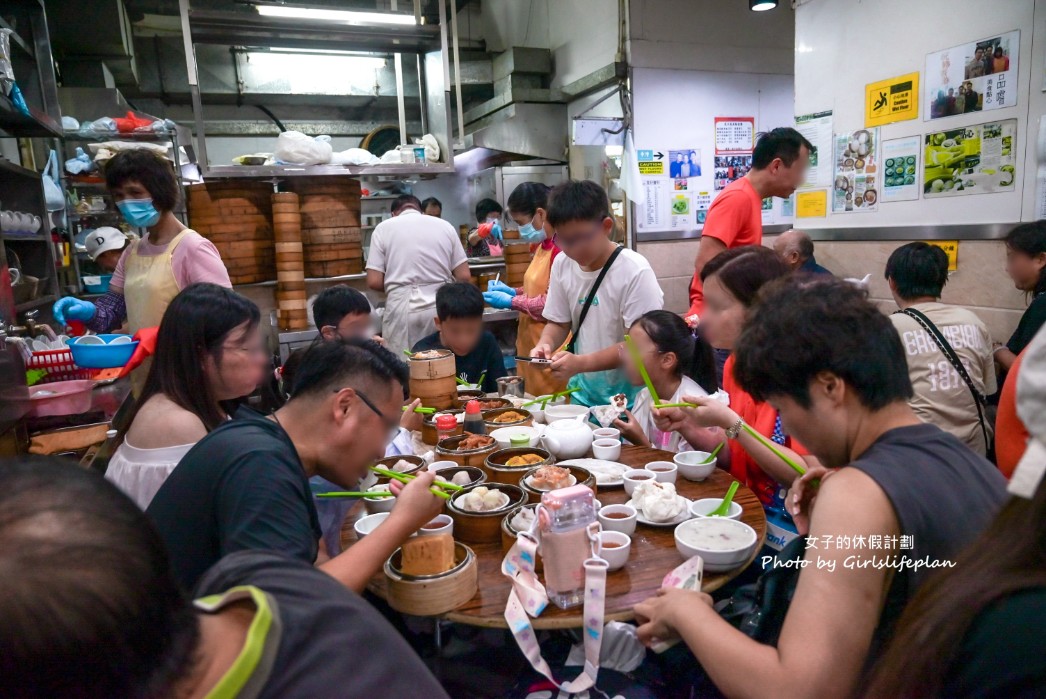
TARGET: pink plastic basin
(60,398)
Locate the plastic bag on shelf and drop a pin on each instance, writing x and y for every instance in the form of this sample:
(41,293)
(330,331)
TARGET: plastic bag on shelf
(299,149)
(431,147)
(52,192)
(354,156)
(132,122)
(70,124)
(81,163)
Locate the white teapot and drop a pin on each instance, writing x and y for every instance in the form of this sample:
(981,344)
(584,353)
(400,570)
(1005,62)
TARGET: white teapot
(567,439)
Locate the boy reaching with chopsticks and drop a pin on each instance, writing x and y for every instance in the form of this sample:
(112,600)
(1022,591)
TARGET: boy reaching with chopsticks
(597,291)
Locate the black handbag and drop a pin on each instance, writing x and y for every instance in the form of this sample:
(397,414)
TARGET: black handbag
(758,610)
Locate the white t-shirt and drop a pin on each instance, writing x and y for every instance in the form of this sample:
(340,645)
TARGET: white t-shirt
(643,413)
(413,248)
(629,290)
(941,396)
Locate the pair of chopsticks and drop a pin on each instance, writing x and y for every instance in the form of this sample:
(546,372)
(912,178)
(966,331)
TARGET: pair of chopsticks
(406,478)
(544,401)
(421,409)
(638,359)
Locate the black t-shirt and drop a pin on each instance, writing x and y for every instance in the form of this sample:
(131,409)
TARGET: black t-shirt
(944,496)
(1030,322)
(1002,655)
(241,487)
(331,642)
(484,357)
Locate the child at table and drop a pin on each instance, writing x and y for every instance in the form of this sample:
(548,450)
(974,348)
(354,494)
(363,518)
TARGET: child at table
(459,328)
(580,214)
(678,364)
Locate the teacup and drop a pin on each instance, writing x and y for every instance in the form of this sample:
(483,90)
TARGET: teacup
(618,518)
(614,549)
(664,471)
(440,524)
(608,449)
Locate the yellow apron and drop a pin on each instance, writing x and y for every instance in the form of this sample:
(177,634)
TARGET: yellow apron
(538,381)
(148,287)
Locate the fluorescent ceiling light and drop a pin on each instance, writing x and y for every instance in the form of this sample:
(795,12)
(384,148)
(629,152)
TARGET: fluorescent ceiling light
(762,5)
(338,16)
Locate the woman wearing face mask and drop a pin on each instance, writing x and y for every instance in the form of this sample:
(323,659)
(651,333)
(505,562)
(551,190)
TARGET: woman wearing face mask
(151,271)
(528,205)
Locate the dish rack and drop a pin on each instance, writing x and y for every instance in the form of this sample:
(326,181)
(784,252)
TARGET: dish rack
(59,365)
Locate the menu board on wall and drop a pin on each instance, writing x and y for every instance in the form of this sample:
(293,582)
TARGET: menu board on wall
(973,77)
(734,134)
(817,129)
(856,162)
(979,159)
(901,169)
(670,179)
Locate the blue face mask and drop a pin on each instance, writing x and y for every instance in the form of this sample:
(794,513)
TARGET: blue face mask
(139,212)
(530,234)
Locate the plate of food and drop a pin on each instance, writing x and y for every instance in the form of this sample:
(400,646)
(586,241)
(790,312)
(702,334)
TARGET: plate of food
(609,474)
(551,478)
(658,504)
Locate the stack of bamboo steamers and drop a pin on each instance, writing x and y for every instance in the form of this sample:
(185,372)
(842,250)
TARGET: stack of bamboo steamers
(291,301)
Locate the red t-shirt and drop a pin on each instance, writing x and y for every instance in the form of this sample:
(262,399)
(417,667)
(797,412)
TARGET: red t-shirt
(761,417)
(735,218)
(1011,436)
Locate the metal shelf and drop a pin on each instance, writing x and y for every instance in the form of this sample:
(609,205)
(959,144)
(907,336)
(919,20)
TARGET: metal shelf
(20,125)
(280,171)
(139,136)
(26,238)
(17,41)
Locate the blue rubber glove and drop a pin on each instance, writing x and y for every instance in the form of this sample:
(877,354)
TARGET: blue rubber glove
(497,299)
(502,287)
(71,308)
(495,232)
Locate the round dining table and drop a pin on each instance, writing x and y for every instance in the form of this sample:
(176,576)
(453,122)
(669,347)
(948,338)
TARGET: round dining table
(653,555)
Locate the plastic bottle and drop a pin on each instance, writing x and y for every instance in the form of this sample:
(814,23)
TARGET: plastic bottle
(565,516)
(474,418)
(445,426)
(780,529)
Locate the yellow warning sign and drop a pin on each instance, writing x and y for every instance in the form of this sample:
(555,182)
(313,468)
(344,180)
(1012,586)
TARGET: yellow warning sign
(951,247)
(887,101)
(651,167)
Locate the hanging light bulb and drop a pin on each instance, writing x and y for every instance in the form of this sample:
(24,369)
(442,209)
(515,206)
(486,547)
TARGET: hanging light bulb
(761,5)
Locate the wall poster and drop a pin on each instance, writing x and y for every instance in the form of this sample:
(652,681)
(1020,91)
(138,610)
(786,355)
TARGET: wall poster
(734,134)
(887,101)
(901,168)
(856,163)
(973,77)
(978,159)
(817,129)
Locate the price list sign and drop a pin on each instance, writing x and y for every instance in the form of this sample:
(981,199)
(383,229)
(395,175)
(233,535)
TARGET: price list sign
(734,134)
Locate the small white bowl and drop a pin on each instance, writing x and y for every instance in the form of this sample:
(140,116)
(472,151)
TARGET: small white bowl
(701,508)
(690,466)
(607,449)
(440,524)
(437,465)
(607,433)
(376,505)
(89,340)
(503,435)
(568,411)
(631,481)
(617,556)
(626,525)
(120,340)
(720,557)
(664,471)
(365,525)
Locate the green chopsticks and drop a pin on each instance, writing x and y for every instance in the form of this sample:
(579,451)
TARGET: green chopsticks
(675,405)
(711,457)
(638,359)
(461,381)
(405,478)
(770,445)
(353,494)
(551,397)
(421,409)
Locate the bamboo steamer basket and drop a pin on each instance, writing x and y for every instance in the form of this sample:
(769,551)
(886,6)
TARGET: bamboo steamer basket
(512,234)
(338,268)
(330,225)
(485,278)
(483,527)
(389,461)
(428,426)
(432,380)
(498,472)
(509,533)
(432,595)
(485,403)
(583,476)
(236,215)
(446,450)
(476,475)
(291,299)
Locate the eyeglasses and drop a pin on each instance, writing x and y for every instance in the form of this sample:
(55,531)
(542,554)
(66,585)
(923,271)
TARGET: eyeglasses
(393,426)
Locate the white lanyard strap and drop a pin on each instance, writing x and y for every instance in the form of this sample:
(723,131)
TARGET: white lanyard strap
(528,596)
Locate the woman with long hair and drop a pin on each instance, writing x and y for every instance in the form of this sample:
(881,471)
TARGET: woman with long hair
(528,207)
(731,281)
(208,351)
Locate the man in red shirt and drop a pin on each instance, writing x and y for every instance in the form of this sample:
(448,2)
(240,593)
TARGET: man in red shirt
(735,219)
